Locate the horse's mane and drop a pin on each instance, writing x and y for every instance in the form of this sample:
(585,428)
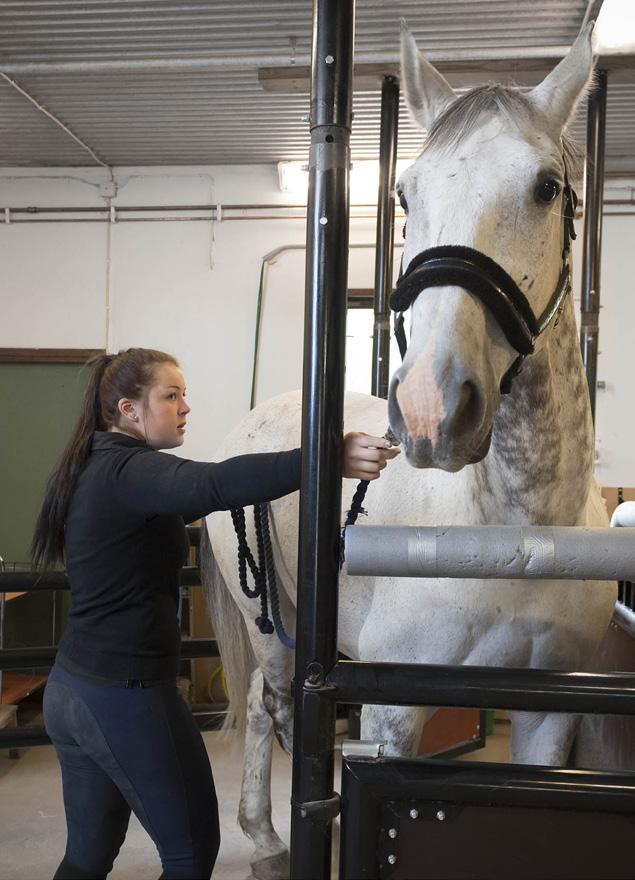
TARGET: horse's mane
(464,115)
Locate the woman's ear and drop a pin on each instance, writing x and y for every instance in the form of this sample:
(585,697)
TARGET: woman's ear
(127,409)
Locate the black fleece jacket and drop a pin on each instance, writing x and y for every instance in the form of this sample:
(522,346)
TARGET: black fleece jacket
(125,543)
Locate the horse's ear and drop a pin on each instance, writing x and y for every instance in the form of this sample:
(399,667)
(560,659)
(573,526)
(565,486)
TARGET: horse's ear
(427,92)
(559,93)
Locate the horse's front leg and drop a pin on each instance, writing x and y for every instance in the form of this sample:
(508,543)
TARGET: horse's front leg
(399,727)
(271,859)
(540,738)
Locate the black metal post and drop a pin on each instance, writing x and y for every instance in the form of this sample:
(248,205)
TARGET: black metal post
(385,234)
(322,419)
(591,255)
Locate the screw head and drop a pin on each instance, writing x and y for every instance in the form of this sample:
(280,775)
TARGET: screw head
(414,814)
(323,221)
(329,59)
(392,859)
(440,815)
(392,832)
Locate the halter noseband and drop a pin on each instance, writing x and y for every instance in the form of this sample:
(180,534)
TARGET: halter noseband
(487,281)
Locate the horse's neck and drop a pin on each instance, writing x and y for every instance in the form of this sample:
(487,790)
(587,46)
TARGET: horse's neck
(540,465)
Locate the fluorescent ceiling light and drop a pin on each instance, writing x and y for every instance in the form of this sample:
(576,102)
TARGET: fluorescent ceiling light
(294,180)
(615,27)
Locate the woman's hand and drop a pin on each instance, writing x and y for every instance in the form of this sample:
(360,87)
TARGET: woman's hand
(365,456)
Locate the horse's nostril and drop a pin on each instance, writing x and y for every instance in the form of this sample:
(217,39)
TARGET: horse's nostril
(469,409)
(395,416)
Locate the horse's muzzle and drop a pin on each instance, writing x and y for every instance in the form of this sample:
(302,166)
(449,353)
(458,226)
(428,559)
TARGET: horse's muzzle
(449,437)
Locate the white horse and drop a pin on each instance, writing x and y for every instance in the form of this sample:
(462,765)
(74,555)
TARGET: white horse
(491,178)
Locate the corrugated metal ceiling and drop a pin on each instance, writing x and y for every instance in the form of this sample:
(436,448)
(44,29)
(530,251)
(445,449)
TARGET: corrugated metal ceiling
(217,111)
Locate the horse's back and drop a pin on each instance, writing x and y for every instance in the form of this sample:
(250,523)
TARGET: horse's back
(276,423)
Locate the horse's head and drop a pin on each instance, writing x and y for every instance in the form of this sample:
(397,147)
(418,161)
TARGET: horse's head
(490,178)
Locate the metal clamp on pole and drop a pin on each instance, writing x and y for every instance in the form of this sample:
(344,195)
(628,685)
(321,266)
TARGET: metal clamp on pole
(362,748)
(320,811)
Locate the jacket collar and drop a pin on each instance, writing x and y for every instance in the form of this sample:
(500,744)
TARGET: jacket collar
(103,440)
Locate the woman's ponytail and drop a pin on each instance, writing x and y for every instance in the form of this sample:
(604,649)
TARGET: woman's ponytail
(48,539)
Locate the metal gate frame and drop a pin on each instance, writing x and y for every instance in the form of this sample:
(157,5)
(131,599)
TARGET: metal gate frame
(321,681)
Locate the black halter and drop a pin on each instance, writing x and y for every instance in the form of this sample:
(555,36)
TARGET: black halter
(490,283)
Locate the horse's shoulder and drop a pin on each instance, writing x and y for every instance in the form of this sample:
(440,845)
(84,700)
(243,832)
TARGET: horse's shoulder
(596,513)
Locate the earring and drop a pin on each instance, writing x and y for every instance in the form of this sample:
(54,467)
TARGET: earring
(136,418)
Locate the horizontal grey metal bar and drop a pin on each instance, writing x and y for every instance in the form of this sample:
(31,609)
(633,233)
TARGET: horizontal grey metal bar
(481,687)
(555,552)
(29,658)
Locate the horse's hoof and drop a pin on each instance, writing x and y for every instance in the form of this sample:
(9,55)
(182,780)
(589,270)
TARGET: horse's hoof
(276,867)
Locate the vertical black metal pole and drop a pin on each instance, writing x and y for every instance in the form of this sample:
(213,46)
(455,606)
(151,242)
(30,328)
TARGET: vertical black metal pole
(322,421)
(592,250)
(385,234)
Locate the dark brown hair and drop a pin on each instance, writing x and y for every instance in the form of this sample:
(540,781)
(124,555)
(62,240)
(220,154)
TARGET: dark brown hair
(112,377)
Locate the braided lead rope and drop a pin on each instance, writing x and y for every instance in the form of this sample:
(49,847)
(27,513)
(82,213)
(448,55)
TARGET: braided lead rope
(356,505)
(270,566)
(262,622)
(260,569)
(245,556)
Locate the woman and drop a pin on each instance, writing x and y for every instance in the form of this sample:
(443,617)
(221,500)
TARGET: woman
(114,513)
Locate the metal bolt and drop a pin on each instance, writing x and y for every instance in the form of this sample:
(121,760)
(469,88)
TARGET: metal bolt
(392,860)
(440,815)
(329,59)
(414,814)
(323,221)
(305,117)
(392,832)
(315,675)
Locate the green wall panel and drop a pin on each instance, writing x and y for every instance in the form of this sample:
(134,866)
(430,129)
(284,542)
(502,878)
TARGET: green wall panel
(39,404)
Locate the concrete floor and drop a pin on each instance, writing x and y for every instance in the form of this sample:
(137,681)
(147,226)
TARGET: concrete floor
(33,830)
(32,827)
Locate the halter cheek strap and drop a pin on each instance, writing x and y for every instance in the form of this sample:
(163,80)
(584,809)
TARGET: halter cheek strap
(483,277)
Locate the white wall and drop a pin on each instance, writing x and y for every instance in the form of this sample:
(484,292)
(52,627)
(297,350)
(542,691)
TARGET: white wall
(615,404)
(191,288)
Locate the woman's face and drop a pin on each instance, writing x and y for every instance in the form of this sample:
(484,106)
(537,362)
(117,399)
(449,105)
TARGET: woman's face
(163,415)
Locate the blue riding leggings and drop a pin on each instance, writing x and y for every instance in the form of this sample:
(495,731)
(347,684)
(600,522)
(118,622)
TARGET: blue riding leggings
(131,748)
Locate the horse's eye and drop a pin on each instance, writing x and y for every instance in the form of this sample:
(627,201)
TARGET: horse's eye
(402,200)
(548,191)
